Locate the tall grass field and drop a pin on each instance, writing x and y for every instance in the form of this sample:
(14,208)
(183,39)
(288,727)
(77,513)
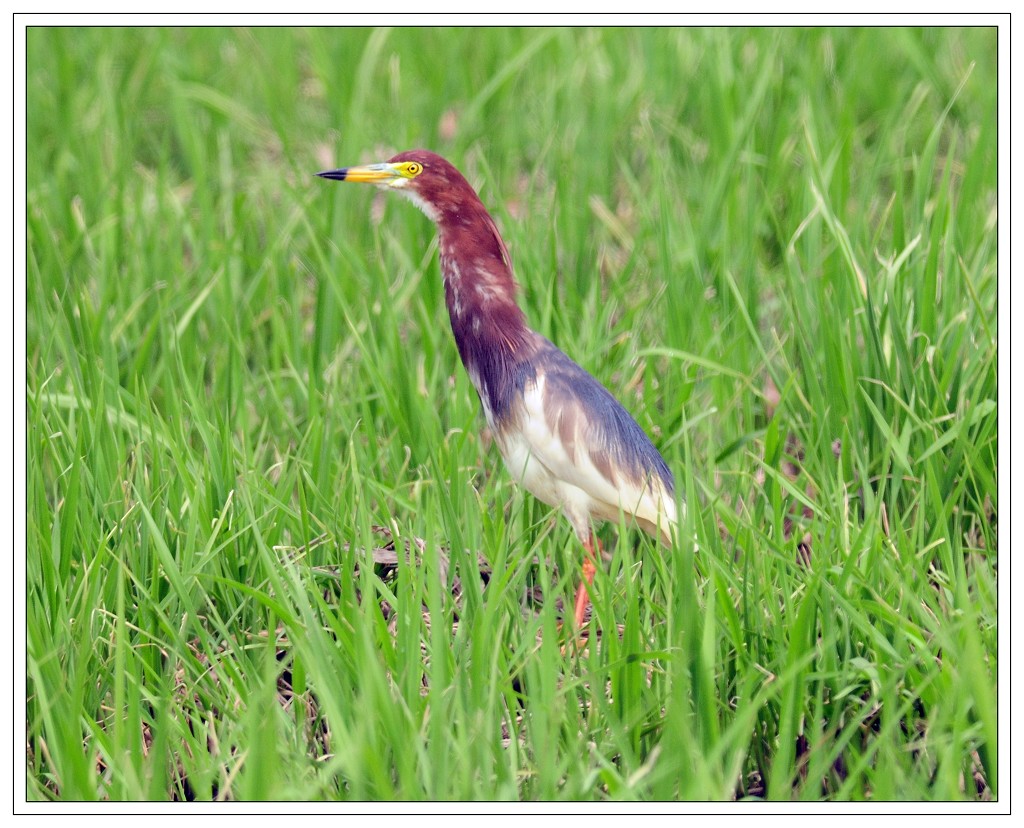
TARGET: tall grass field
(272,552)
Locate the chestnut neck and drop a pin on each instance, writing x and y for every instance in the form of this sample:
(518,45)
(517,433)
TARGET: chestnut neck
(489,327)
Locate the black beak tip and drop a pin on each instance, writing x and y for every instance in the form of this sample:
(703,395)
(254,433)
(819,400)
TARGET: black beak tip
(333,175)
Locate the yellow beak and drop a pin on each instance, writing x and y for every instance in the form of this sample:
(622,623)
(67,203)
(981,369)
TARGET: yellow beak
(369,174)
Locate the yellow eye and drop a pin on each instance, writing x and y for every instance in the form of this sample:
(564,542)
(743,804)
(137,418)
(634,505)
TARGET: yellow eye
(412,169)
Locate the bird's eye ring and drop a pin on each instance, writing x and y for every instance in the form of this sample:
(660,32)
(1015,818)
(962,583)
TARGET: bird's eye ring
(413,169)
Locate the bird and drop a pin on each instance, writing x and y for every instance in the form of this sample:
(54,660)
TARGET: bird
(562,435)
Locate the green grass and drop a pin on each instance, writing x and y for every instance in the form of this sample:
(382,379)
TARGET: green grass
(777,247)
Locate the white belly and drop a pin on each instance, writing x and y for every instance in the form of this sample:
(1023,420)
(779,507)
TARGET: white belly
(564,476)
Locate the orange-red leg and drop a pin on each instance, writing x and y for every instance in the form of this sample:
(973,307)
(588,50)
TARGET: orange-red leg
(589,568)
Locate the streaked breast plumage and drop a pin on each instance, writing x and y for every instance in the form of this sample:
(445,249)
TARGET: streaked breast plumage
(570,443)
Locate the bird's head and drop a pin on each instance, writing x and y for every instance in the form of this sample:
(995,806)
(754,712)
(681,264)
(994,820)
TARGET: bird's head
(424,177)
